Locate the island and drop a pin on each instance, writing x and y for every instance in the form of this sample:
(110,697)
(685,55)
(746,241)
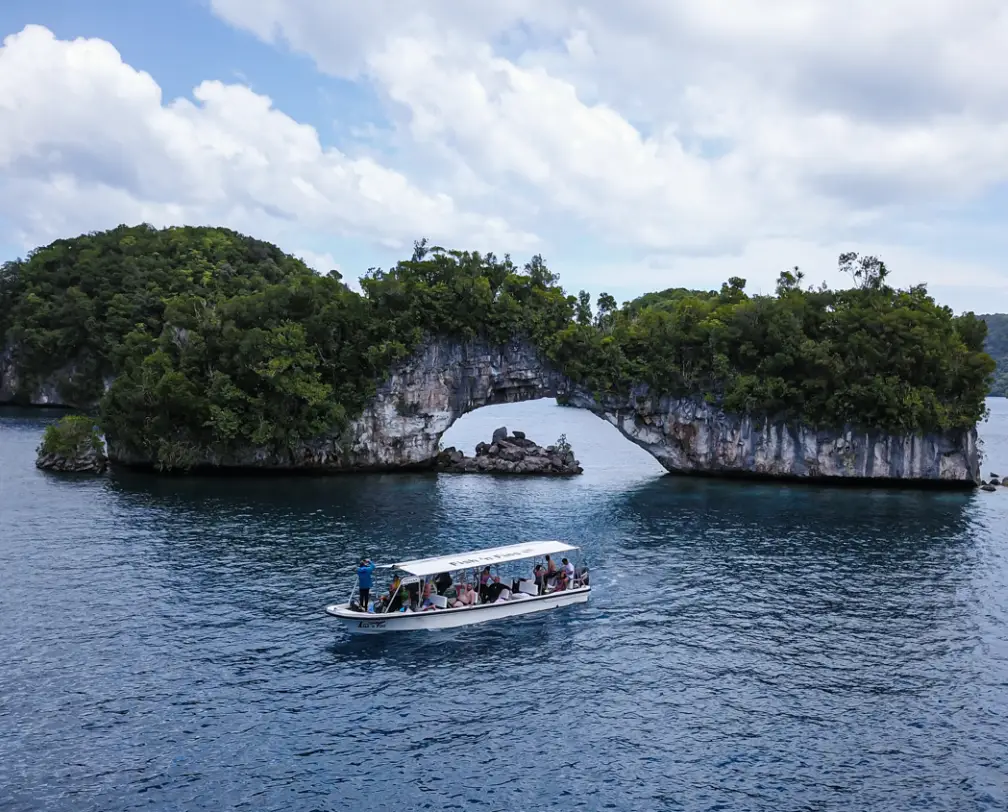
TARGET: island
(72,445)
(205,349)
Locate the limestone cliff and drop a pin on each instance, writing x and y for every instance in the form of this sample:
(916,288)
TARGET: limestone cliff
(8,381)
(689,436)
(48,392)
(402,427)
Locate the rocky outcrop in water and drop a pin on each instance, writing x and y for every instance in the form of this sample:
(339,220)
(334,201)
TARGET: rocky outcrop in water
(444,379)
(89,461)
(511,454)
(72,446)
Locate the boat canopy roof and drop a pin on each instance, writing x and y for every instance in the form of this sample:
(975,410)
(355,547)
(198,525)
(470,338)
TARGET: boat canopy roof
(480,558)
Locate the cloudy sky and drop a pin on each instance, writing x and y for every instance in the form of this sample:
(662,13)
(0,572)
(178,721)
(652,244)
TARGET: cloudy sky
(637,145)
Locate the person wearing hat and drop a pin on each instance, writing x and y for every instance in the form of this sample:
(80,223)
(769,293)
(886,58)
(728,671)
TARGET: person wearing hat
(364,572)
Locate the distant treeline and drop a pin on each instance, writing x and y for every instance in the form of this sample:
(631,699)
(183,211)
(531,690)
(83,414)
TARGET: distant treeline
(997,348)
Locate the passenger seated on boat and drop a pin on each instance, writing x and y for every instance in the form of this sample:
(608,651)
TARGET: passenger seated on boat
(413,591)
(560,583)
(549,573)
(493,591)
(382,604)
(395,603)
(442,582)
(466,596)
(485,582)
(581,577)
(428,603)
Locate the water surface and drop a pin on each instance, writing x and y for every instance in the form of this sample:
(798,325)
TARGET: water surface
(747,646)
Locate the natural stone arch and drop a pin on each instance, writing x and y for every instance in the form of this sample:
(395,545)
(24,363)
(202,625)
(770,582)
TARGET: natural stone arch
(443,380)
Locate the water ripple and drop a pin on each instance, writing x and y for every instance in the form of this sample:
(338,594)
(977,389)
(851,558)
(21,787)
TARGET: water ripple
(746,646)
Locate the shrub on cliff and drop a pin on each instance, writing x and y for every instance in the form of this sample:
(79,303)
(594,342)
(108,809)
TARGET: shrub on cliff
(210,341)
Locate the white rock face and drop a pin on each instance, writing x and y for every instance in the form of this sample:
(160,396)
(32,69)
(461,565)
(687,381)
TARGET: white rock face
(403,425)
(443,381)
(687,436)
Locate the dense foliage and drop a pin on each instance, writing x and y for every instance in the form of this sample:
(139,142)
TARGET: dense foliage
(868,356)
(211,340)
(997,348)
(71,436)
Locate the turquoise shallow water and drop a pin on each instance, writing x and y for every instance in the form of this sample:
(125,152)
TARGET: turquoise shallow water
(747,646)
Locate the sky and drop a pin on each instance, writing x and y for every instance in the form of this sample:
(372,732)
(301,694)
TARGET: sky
(637,145)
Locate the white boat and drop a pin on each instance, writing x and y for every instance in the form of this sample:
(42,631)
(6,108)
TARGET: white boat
(518,596)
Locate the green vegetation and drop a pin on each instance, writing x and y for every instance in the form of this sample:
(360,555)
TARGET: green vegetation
(870,356)
(217,341)
(71,436)
(997,348)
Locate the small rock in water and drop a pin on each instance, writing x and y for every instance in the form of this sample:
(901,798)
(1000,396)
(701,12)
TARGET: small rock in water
(988,487)
(511,455)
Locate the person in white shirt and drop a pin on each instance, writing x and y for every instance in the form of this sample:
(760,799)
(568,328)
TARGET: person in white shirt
(569,569)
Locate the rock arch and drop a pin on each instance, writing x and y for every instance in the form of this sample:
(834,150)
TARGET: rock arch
(444,380)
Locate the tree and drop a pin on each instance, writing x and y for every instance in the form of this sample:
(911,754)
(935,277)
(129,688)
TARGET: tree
(540,275)
(606,306)
(789,281)
(584,313)
(420,249)
(868,273)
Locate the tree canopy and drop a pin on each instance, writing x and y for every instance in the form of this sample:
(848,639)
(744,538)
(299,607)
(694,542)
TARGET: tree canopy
(997,348)
(209,339)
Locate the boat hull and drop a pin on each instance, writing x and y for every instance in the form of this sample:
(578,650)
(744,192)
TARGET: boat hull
(368,623)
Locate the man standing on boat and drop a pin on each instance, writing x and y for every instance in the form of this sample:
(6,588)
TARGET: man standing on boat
(364,572)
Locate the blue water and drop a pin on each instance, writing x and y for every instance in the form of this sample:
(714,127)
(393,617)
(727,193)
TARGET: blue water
(756,647)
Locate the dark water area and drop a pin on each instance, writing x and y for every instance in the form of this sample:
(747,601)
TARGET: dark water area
(747,645)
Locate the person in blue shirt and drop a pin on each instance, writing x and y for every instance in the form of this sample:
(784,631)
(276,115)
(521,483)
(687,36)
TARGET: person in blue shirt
(364,572)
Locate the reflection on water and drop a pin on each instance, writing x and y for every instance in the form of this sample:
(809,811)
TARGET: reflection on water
(754,646)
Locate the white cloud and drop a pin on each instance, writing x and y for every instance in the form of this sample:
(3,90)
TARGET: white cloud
(87,141)
(704,133)
(685,126)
